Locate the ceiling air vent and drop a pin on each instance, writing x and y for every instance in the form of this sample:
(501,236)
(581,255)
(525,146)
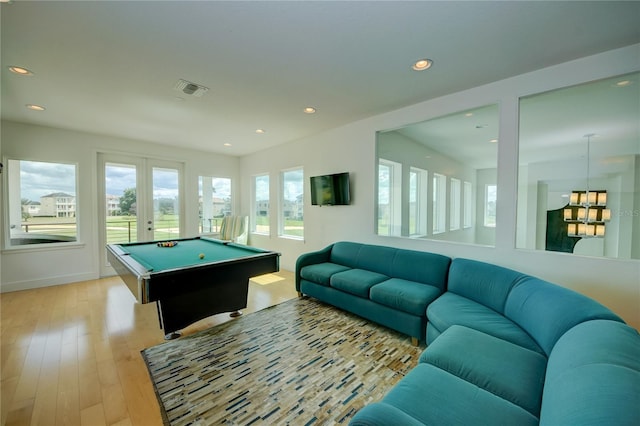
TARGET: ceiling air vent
(189,88)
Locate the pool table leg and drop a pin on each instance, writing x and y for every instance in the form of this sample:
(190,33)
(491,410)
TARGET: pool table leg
(173,335)
(235,314)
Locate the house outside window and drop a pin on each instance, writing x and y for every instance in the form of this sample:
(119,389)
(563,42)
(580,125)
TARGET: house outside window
(42,202)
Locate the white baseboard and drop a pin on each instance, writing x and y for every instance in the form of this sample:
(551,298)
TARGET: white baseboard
(46,282)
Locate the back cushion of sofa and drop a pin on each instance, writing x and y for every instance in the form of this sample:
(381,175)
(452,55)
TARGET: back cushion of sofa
(376,258)
(546,311)
(422,267)
(345,253)
(482,282)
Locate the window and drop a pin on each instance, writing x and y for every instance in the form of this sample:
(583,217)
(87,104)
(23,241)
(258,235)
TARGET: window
(439,203)
(389,197)
(292,217)
(454,202)
(490,206)
(261,204)
(214,200)
(42,202)
(417,202)
(468,205)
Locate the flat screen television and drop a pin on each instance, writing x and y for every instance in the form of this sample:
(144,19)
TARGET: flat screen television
(330,190)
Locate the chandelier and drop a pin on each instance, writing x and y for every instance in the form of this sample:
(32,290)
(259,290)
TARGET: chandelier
(587,211)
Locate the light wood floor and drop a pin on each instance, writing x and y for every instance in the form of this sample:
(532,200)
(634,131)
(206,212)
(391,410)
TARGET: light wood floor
(70,354)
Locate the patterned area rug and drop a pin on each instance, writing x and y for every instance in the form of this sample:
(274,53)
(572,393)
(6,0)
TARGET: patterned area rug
(301,362)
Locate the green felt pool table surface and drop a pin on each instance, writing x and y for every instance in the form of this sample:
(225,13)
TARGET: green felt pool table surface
(186,253)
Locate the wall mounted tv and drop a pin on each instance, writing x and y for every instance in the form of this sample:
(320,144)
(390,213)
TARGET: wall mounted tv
(330,190)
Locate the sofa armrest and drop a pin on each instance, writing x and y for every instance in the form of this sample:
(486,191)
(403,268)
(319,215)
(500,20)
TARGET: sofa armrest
(311,258)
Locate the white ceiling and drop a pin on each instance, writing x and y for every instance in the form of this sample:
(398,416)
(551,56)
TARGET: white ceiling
(109,67)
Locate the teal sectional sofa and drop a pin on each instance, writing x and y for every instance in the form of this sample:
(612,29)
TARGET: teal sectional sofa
(503,347)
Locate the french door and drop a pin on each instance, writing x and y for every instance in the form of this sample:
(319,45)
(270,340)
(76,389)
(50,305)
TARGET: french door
(140,199)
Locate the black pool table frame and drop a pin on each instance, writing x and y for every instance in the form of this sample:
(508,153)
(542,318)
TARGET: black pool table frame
(186,295)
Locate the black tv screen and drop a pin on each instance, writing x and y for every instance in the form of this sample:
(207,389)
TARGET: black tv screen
(330,190)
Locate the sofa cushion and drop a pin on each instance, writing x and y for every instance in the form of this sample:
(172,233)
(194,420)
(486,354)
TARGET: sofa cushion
(407,296)
(356,281)
(482,282)
(595,394)
(345,253)
(450,309)
(593,376)
(500,367)
(546,311)
(363,256)
(436,397)
(381,414)
(422,267)
(376,258)
(321,272)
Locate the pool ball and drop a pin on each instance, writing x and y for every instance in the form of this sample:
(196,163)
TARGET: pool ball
(201,255)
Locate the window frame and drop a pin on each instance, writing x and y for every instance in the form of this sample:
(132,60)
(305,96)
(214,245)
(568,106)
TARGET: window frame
(394,225)
(7,206)
(225,212)
(455,192)
(487,222)
(439,225)
(282,219)
(467,205)
(420,204)
(255,204)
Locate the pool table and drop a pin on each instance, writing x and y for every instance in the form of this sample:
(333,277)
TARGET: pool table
(193,279)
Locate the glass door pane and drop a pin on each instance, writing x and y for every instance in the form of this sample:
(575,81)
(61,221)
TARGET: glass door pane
(166,203)
(121,203)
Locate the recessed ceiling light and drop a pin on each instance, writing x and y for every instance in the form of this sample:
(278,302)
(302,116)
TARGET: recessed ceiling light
(20,70)
(623,83)
(226,144)
(260,131)
(422,64)
(35,107)
(493,140)
(469,114)
(309,110)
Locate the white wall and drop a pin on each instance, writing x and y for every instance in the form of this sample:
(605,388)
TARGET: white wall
(29,267)
(615,283)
